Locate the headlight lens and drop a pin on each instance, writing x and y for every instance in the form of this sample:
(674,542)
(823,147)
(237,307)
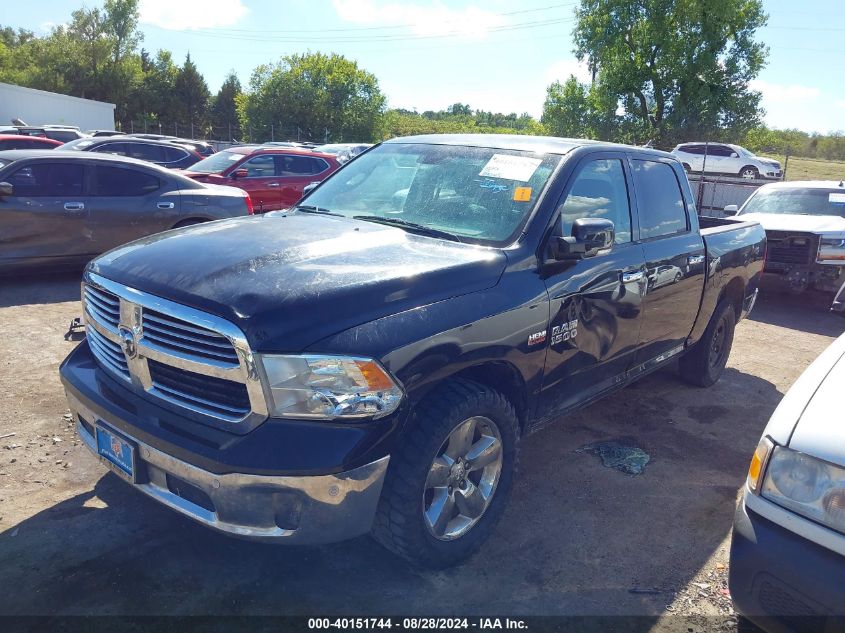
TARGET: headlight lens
(831,248)
(806,485)
(328,387)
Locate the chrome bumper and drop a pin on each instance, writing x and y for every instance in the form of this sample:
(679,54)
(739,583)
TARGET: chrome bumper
(306,510)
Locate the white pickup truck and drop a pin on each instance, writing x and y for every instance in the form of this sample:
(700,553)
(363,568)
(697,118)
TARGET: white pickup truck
(805,226)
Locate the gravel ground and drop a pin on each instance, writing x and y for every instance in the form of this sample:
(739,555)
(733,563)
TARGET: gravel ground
(577,538)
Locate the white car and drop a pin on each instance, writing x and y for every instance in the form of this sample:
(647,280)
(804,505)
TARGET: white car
(723,158)
(805,230)
(788,549)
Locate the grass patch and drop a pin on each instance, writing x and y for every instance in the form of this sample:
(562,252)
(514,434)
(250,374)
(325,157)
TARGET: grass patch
(812,168)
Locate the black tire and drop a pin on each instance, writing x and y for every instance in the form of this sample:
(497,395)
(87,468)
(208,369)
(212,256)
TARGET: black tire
(400,524)
(188,222)
(703,365)
(749,172)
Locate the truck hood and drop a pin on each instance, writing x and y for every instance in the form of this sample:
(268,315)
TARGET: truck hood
(796,222)
(290,280)
(808,418)
(820,431)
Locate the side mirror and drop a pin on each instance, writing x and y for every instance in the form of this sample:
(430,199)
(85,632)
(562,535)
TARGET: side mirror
(240,173)
(734,155)
(589,237)
(6,189)
(311,186)
(730,209)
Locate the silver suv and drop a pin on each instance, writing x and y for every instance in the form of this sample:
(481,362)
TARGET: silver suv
(723,158)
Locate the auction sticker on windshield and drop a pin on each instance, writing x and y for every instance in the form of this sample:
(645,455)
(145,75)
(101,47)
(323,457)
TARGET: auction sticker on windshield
(510,167)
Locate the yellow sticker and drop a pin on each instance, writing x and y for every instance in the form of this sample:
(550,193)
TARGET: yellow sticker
(522,194)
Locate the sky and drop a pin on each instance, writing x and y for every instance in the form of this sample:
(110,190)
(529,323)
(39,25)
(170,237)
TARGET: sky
(495,55)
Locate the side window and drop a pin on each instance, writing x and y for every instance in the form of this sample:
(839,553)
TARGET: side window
(261,166)
(174,154)
(145,151)
(118,149)
(659,199)
(690,149)
(289,165)
(119,181)
(599,191)
(318,165)
(49,179)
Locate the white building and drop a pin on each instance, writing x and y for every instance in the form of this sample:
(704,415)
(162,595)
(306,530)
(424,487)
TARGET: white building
(38,107)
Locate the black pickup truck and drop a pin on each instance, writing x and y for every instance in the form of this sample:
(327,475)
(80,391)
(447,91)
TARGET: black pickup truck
(369,360)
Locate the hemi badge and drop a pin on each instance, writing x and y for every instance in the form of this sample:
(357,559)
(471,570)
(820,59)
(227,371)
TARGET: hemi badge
(536,338)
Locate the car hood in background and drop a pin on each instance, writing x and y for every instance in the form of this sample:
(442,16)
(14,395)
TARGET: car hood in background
(797,222)
(290,280)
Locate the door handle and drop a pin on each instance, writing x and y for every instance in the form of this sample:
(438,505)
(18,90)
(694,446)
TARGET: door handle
(165,205)
(74,206)
(273,184)
(628,277)
(692,260)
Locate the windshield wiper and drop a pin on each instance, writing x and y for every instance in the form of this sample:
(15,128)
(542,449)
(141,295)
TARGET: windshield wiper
(310,208)
(410,226)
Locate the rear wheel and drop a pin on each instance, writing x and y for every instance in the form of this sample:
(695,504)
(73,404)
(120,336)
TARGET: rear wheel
(704,364)
(449,478)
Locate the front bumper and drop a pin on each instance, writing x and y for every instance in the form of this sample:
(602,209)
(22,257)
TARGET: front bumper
(211,487)
(782,581)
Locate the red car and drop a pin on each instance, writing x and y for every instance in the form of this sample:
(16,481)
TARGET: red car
(274,176)
(19,141)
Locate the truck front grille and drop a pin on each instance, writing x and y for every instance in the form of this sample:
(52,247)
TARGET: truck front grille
(790,248)
(185,358)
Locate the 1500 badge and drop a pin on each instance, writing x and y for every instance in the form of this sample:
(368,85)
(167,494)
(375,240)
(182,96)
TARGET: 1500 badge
(564,332)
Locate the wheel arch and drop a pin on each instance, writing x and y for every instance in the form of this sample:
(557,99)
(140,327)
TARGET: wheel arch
(733,292)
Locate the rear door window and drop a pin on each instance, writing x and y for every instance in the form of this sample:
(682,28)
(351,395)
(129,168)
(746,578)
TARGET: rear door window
(49,179)
(292,165)
(174,154)
(146,151)
(124,182)
(659,199)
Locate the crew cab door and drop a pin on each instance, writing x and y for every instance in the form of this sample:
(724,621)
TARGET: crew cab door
(261,182)
(45,218)
(595,302)
(674,257)
(129,202)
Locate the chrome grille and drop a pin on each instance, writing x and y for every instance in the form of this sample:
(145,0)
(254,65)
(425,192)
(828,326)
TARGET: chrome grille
(177,336)
(183,357)
(102,305)
(108,353)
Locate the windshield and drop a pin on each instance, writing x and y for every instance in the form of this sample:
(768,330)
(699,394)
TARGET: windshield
(216,163)
(800,200)
(744,152)
(80,143)
(482,194)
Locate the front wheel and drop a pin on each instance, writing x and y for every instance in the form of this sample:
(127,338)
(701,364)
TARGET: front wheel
(704,363)
(450,477)
(749,173)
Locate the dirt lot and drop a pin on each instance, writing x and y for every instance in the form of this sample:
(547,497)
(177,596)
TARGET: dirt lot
(577,538)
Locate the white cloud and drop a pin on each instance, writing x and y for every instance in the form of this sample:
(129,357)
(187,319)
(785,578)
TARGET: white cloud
(784,93)
(561,69)
(430,19)
(179,15)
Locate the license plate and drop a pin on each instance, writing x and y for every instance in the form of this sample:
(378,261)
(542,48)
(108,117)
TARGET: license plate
(116,452)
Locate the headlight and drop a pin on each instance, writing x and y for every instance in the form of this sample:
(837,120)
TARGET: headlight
(831,248)
(807,486)
(328,387)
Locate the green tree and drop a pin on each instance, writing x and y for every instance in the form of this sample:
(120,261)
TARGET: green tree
(192,95)
(313,95)
(566,109)
(680,68)
(224,112)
